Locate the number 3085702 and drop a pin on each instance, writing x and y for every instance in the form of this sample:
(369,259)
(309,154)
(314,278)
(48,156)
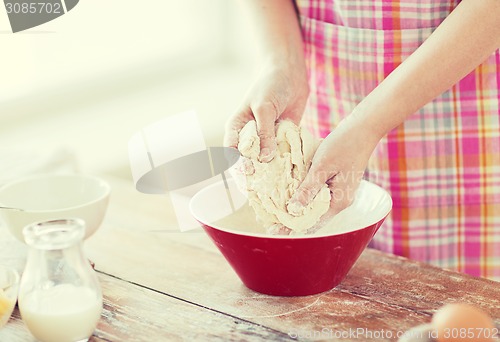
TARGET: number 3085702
(33,7)
(470,333)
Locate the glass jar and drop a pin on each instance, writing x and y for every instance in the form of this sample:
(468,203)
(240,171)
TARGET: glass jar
(60,298)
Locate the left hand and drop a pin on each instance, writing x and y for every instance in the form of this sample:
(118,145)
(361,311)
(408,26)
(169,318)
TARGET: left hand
(340,161)
(280,92)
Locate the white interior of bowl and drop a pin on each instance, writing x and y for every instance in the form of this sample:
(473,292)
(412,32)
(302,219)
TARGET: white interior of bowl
(53,192)
(211,206)
(371,204)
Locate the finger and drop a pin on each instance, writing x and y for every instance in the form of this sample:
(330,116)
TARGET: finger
(246,166)
(342,197)
(342,193)
(308,189)
(278,229)
(323,221)
(240,171)
(265,117)
(234,126)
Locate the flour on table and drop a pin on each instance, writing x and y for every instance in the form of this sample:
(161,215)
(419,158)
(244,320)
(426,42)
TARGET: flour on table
(272,184)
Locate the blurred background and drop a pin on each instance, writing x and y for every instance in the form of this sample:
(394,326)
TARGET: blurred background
(75,90)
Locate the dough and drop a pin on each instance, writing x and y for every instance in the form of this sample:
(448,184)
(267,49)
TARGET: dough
(271,185)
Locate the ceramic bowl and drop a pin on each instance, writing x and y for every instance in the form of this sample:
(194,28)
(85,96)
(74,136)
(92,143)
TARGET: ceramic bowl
(291,265)
(52,197)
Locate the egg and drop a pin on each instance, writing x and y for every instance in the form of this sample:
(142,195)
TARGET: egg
(463,322)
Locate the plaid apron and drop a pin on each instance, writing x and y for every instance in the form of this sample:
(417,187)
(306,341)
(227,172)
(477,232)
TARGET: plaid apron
(442,165)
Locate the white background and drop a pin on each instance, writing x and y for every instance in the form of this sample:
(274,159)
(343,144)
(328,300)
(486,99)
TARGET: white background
(91,78)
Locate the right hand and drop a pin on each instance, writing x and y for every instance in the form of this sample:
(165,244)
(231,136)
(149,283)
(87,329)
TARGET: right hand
(280,92)
(340,162)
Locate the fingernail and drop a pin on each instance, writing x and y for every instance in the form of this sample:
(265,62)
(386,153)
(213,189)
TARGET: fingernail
(295,208)
(248,167)
(265,155)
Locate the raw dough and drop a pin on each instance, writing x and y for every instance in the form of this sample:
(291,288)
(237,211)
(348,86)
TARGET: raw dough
(272,184)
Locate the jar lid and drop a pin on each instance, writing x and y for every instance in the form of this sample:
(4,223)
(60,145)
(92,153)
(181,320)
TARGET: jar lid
(54,234)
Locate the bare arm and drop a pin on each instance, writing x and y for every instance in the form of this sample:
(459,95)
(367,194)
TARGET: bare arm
(277,28)
(463,41)
(281,90)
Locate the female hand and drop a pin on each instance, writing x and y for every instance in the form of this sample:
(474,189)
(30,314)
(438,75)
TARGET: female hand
(340,162)
(280,92)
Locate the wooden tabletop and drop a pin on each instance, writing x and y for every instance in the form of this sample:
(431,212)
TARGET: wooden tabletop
(163,285)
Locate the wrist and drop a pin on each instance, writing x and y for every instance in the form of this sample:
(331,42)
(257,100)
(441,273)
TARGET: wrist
(293,68)
(373,122)
(285,59)
(362,130)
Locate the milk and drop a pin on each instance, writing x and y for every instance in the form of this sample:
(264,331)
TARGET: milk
(64,313)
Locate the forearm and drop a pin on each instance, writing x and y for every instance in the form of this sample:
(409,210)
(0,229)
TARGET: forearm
(277,30)
(463,41)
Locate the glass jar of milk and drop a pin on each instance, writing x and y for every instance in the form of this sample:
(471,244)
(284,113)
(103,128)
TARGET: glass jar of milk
(60,299)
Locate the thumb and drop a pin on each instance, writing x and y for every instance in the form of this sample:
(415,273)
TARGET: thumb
(234,125)
(307,191)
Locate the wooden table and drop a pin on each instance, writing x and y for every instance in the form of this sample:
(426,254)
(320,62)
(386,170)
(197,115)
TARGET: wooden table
(163,285)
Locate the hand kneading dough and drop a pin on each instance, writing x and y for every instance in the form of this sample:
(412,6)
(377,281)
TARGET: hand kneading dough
(272,184)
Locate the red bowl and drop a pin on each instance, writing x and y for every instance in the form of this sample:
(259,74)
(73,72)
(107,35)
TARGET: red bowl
(292,265)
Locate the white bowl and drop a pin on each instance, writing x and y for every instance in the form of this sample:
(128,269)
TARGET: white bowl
(51,197)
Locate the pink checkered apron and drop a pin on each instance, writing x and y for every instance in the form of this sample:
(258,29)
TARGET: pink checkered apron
(442,166)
